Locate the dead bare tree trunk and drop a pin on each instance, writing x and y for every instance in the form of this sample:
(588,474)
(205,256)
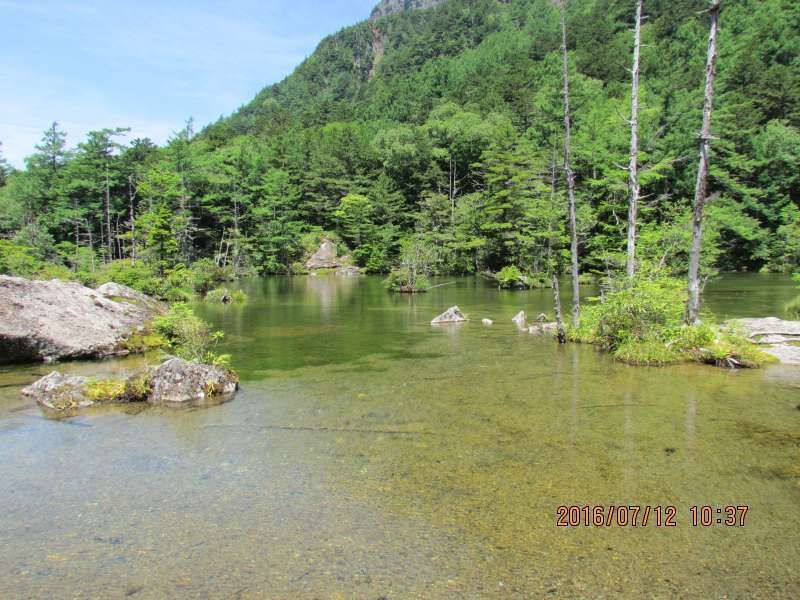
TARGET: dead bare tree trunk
(573,218)
(131,198)
(91,243)
(561,333)
(701,189)
(633,170)
(109,240)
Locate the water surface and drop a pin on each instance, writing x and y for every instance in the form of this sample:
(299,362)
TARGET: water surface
(370,455)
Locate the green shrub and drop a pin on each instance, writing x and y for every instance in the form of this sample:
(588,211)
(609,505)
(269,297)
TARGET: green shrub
(21,261)
(642,323)
(793,308)
(511,277)
(539,281)
(418,261)
(189,337)
(403,280)
(205,275)
(174,286)
(644,310)
(226,296)
(137,388)
(652,353)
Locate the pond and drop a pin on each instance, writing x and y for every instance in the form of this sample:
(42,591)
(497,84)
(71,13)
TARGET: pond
(370,455)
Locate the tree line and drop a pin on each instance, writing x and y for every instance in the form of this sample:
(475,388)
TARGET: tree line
(490,134)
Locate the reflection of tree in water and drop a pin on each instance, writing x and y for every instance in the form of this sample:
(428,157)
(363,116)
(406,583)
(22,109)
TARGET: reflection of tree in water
(329,290)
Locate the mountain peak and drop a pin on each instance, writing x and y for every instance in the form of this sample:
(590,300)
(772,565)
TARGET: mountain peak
(390,7)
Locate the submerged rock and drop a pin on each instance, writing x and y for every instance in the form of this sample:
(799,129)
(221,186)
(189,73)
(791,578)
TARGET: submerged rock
(451,315)
(179,382)
(59,392)
(53,320)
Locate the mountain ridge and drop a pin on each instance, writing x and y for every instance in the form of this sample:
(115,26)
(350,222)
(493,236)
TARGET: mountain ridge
(391,7)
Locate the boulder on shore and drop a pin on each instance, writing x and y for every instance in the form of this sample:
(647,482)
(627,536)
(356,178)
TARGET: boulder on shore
(327,257)
(123,293)
(179,382)
(54,320)
(451,315)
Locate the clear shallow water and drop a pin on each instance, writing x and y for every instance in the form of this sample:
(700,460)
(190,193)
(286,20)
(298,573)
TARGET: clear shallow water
(370,455)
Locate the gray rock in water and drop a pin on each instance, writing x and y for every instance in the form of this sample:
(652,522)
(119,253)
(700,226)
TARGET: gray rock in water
(521,320)
(544,329)
(59,392)
(178,382)
(488,322)
(452,315)
(776,335)
(53,320)
(756,328)
(327,257)
(787,355)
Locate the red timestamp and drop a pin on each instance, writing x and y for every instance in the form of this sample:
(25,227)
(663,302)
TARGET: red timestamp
(617,516)
(644,516)
(727,516)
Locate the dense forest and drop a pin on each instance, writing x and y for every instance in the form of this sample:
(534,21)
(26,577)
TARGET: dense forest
(443,129)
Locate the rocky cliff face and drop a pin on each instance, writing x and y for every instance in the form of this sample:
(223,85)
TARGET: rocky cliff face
(390,7)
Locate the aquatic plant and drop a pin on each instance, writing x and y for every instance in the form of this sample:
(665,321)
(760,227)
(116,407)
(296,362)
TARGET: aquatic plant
(105,390)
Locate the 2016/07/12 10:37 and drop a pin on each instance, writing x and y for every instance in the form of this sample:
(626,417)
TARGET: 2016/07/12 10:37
(643,516)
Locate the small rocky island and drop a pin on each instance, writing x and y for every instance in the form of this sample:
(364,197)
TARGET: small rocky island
(174,383)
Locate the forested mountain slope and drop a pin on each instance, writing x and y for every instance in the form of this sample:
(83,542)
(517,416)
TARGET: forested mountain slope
(444,127)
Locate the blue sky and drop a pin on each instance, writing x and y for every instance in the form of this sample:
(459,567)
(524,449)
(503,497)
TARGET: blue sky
(147,64)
